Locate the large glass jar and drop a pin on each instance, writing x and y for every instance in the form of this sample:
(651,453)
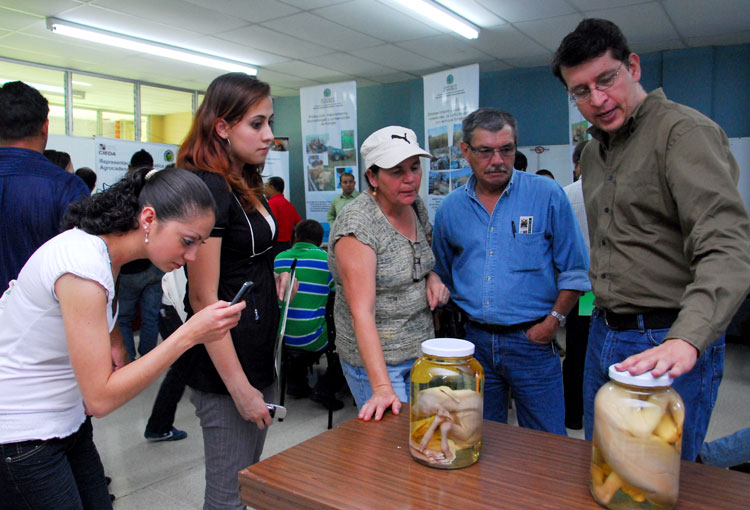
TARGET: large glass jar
(635,462)
(447,395)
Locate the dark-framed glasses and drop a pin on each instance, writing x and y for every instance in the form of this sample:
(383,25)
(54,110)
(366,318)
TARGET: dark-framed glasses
(487,152)
(416,268)
(583,94)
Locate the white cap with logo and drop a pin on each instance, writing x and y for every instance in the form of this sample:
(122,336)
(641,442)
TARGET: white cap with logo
(389,146)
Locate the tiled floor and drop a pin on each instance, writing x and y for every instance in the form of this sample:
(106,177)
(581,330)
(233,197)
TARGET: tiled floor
(167,476)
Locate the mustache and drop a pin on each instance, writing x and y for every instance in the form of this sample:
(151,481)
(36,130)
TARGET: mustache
(496,170)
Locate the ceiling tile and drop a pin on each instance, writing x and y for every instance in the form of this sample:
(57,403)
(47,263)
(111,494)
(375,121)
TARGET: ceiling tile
(550,32)
(531,61)
(284,80)
(231,50)
(591,5)
(395,77)
(641,22)
(177,13)
(721,39)
(273,42)
(349,64)
(250,10)
(473,11)
(446,49)
(506,42)
(514,11)
(40,7)
(376,20)
(308,71)
(312,4)
(14,20)
(314,28)
(493,65)
(695,18)
(645,47)
(398,58)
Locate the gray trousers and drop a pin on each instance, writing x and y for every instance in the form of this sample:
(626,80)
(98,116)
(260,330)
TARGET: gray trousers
(230,444)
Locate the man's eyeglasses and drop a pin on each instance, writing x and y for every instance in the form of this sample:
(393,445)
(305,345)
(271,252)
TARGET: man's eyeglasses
(582,94)
(488,152)
(416,268)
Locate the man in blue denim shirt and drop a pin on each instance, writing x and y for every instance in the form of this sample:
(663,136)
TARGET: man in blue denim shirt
(509,248)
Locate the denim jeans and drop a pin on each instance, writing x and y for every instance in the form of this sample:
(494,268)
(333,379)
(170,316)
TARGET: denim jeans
(65,474)
(531,371)
(698,388)
(146,288)
(359,383)
(727,451)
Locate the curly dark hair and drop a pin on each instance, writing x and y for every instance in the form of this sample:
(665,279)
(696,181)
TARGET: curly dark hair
(174,193)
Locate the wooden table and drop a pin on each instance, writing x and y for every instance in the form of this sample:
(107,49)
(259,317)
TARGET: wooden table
(367,466)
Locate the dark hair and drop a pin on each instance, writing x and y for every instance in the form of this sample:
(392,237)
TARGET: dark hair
(277,183)
(173,193)
(578,150)
(309,231)
(344,174)
(23,111)
(591,38)
(374,169)
(142,159)
(60,158)
(520,163)
(88,176)
(546,173)
(491,119)
(228,97)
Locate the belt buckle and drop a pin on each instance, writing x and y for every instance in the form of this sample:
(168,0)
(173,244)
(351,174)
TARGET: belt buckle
(606,320)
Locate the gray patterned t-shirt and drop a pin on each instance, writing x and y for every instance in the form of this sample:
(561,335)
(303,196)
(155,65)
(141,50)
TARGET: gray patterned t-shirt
(402,314)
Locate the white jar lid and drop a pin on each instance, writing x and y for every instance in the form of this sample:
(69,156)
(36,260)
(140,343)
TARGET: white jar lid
(448,347)
(644,380)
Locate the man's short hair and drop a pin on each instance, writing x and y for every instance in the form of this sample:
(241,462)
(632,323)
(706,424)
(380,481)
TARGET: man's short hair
(491,119)
(592,38)
(344,174)
(578,150)
(88,176)
(520,163)
(308,231)
(141,159)
(23,111)
(277,183)
(545,173)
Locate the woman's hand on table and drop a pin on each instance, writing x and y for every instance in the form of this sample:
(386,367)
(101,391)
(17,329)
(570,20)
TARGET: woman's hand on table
(437,292)
(382,398)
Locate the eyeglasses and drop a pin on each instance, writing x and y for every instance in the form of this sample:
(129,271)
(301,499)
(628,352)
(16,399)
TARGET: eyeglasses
(488,152)
(416,268)
(583,94)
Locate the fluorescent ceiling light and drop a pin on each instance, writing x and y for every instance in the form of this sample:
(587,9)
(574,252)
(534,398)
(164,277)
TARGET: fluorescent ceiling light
(145,46)
(442,16)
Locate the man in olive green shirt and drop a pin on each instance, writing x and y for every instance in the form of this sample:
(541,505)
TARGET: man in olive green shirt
(349,193)
(670,237)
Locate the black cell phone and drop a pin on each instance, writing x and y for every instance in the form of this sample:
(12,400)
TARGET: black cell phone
(278,413)
(242,292)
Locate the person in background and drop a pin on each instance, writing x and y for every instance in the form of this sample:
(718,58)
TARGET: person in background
(139,287)
(670,236)
(576,325)
(284,212)
(508,246)
(306,332)
(88,176)
(348,193)
(232,379)
(545,173)
(380,257)
(60,158)
(35,192)
(520,162)
(60,361)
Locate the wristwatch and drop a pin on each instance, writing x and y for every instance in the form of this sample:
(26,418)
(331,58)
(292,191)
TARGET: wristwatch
(560,317)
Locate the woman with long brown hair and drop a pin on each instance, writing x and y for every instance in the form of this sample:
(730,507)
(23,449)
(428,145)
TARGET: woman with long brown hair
(233,378)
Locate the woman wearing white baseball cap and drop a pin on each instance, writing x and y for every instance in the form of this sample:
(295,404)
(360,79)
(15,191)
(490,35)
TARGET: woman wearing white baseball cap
(380,256)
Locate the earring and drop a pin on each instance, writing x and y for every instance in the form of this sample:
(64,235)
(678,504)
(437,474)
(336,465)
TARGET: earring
(375,191)
(146,240)
(229,143)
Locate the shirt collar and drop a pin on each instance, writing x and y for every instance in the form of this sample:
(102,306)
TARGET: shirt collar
(472,182)
(632,122)
(301,245)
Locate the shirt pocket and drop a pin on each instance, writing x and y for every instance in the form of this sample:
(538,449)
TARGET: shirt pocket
(528,252)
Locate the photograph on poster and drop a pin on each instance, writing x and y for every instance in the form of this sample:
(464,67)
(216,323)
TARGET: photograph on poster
(579,131)
(280,144)
(438,143)
(316,144)
(459,177)
(439,183)
(457,157)
(347,139)
(341,170)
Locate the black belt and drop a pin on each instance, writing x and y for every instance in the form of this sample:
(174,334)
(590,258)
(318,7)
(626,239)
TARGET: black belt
(507,328)
(661,318)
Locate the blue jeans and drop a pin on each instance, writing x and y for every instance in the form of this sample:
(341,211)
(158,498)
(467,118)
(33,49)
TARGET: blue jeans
(531,371)
(727,451)
(698,388)
(359,383)
(146,288)
(64,474)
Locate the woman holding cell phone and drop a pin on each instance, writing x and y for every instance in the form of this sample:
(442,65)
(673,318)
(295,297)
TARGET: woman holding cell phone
(232,379)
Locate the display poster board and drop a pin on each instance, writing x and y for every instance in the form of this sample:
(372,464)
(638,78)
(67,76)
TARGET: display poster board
(113,157)
(329,144)
(277,162)
(449,96)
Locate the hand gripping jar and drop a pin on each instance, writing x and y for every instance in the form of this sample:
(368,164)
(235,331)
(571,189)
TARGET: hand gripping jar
(447,395)
(635,462)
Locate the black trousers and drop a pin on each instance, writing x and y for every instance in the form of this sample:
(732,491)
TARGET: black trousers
(577,339)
